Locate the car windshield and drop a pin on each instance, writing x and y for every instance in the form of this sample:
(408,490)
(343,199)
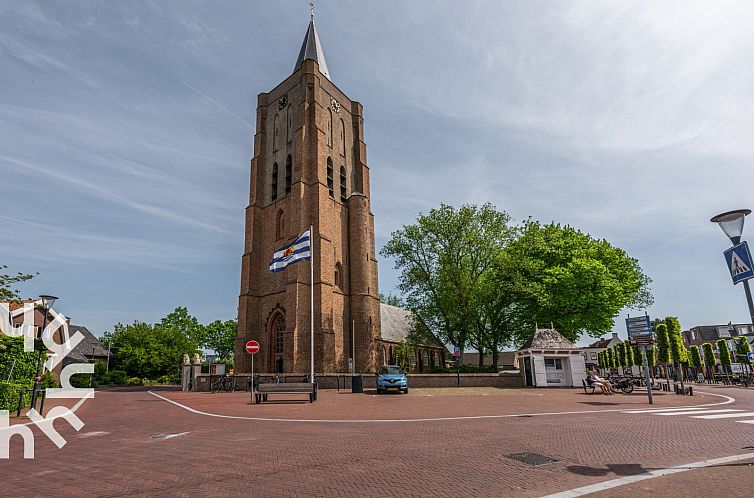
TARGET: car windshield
(390,370)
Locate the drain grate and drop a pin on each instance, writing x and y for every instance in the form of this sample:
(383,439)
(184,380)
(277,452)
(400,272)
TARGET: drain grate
(531,458)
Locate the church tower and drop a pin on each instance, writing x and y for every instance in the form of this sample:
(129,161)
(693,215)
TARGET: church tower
(309,167)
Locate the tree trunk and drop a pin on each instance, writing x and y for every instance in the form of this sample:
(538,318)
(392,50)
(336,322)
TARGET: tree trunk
(495,355)
(481,357)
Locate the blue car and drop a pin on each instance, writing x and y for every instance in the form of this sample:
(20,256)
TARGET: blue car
(391,378)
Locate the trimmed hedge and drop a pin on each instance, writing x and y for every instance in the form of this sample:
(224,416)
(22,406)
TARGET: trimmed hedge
(9,392)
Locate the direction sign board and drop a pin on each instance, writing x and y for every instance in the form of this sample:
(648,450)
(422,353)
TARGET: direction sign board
(738,259)
(252,347)
(456,351)
(641,340)
(637,326)
(750,355)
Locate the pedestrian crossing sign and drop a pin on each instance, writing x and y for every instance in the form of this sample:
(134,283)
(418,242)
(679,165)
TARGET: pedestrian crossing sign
(739,262)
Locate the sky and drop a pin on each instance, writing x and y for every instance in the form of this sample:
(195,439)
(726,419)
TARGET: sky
(126,132)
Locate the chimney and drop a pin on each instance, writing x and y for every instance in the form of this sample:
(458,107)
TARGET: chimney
(615,335)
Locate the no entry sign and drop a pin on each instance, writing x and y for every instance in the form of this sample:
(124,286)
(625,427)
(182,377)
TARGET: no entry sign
(252,347)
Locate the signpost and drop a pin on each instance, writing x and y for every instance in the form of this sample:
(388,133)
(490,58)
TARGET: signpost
(457,354)
(750,355)
(252,347)
(640,334)
(739,262)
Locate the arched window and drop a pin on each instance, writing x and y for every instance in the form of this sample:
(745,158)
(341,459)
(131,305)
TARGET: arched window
(275,133)
(288,134)
(343,184)
(343,136)
(329,130)
(330,181)
(338,275)
(280,225)
(288,174)
(278,328)
(274,181)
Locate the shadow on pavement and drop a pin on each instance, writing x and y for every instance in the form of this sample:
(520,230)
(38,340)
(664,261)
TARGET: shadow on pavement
(627,469)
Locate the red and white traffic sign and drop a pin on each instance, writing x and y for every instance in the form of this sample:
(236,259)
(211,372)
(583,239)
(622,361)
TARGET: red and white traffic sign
(252,347)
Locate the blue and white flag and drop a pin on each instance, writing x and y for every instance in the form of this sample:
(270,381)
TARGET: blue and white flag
(298,250)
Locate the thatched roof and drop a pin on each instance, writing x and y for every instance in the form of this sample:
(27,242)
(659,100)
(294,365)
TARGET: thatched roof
(547,339)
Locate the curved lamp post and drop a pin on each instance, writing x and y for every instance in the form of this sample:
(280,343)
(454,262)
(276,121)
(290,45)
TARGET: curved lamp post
(47,302)
(732,224)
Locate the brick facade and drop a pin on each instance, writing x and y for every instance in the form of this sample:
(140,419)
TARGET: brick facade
(308,119)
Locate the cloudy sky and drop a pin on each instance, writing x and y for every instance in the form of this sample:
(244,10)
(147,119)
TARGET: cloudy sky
(126,132)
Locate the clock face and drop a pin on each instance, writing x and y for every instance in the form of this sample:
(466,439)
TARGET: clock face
(282,101)
(334,105)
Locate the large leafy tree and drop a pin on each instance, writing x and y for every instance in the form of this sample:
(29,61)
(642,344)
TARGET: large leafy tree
(179,321)
(220,337)
(8,283)
(576,282)
(446,259)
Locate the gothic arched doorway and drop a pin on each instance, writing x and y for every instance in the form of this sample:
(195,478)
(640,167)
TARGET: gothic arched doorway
(277,330)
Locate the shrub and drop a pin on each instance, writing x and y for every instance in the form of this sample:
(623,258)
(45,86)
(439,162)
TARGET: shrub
(134,381)
(168,379)
(118,377)
(9,393)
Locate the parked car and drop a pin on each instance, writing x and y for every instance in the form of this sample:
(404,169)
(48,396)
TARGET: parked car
(391,378)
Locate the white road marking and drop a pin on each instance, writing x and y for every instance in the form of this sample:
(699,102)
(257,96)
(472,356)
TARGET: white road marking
(697,412)
(622,481)
(377,421)
(660,410)
(745,421)
(726,415)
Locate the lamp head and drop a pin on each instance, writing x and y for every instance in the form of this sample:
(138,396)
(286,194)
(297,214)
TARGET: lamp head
(47,300)
(732,223)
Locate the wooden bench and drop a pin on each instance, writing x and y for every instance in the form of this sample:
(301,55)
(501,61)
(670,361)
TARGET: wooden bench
(588,388)
(264,390)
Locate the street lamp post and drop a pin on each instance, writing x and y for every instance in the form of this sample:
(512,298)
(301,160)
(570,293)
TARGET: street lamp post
(47,302)
(732,224)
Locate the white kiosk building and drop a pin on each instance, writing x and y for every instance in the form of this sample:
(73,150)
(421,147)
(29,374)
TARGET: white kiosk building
(547,359)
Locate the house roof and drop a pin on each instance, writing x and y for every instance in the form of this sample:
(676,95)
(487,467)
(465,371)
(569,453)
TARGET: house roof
(86,349)
(547,339)
(397,324)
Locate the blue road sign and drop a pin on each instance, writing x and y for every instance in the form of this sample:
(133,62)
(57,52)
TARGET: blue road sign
(739,262)
(638,326)
(750,355)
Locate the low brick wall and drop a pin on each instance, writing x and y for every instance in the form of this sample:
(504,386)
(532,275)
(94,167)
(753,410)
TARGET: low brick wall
(330,381)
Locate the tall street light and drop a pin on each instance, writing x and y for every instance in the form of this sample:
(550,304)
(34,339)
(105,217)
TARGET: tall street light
(732,224)
(47,302)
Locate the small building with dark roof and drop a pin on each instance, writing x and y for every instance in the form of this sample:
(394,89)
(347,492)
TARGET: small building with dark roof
(547,359)
(89,349)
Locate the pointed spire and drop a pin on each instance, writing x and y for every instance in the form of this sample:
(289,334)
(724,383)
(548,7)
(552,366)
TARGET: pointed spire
(312,50)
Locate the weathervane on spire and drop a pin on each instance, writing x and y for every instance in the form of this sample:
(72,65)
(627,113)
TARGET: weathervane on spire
(311,9)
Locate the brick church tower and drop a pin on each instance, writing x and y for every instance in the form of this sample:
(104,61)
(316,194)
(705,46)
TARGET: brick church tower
(309,167)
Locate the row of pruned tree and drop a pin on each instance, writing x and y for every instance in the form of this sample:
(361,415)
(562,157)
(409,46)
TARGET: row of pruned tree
(669,350)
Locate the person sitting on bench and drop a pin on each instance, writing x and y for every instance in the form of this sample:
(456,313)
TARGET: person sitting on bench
(595,380)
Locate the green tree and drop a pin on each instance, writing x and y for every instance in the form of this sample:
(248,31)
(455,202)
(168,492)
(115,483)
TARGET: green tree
(444,259)
(181,322)
(651,355)
(678,352)
(630,361)
(8,282)
(601,359)
(638,357)
(611,363)
(742,348)
(574,281)
(663,347)
(390,299)
(403,352)
(220,337)
(695,357)
(148,351)
(724,353)
(709,360)
(620,355)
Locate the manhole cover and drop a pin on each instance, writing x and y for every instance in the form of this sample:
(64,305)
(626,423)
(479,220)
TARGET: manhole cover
(168,436)
(531,458)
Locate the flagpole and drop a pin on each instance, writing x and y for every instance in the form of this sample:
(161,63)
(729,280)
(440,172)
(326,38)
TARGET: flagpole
(311,288)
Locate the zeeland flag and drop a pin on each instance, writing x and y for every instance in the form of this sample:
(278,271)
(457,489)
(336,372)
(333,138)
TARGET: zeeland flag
(298,250)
